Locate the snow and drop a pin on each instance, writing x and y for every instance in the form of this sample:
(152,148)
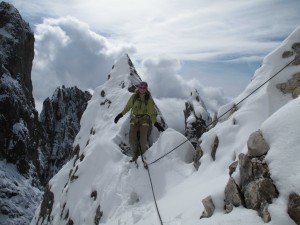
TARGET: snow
(19,193)
(124,191)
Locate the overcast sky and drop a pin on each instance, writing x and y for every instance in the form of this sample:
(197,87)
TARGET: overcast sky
(175,45)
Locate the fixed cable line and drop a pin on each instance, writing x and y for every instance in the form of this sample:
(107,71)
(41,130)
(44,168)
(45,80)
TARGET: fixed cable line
(254,90)
(169,152)
(147,168)
(218,118)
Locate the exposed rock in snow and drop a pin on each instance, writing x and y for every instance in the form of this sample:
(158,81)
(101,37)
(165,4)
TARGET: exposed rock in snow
(233,196)
(257,145)
(257,186)
(294,207)
(209,207)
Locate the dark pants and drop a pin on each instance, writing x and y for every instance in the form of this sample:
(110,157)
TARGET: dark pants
(133,139)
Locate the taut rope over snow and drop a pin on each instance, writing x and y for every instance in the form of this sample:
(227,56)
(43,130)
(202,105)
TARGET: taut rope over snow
(147,168)
(147,165)
(231,107)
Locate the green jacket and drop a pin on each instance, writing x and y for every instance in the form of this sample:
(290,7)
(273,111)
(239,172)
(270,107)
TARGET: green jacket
(141,105)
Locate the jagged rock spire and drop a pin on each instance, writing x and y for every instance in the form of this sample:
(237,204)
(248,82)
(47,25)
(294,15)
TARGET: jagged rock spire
(60,118)
(196,117)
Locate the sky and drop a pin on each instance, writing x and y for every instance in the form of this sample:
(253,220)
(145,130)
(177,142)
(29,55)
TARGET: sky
(214,46)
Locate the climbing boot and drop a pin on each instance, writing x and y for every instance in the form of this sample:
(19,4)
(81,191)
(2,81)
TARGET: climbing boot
(133,159)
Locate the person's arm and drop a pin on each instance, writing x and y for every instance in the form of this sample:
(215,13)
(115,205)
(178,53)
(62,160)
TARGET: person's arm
(128,105)
(152,111)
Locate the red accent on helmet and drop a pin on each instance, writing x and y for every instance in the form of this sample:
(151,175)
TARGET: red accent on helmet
(143,85)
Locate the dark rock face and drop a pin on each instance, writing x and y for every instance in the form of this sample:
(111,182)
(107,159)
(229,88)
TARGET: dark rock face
(294,207)
(46,206)
(26,150)
(18,44)
(18,117)
(21,131)
(61,119)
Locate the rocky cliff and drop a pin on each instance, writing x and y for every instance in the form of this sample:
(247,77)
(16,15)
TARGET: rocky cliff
(21,132)
(60,118)
(32,150)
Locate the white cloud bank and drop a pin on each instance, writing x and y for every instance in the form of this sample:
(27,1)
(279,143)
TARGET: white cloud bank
(68,52)
(226,39)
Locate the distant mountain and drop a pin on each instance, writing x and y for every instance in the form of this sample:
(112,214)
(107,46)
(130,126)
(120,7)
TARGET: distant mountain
(60,118)
(196,117)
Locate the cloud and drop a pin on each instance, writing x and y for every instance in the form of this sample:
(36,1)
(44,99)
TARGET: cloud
(68,53)
(230,37)
(186,30)
(165,82)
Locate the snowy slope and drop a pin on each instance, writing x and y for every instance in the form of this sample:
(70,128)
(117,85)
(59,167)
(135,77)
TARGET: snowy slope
(101,178)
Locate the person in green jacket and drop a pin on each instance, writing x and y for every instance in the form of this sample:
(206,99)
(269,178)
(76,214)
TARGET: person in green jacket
(142,115)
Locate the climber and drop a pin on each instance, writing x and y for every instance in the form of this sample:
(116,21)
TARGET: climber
(143,114)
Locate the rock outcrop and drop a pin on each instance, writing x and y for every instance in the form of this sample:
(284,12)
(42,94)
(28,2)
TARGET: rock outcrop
(292,86)
(60,118)
(209,207)
(196,120)
(294,207)
(256,189)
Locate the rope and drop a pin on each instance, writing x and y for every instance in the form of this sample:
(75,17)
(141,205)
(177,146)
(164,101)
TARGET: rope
(147,168)
(147,165)
(169,152)
(254,90)
(231,107)
(157,210)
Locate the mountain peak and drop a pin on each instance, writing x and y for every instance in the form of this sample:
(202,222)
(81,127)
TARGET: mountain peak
(124,74)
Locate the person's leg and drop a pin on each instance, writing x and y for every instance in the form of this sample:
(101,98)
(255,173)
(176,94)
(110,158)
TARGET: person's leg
(133,141)
(143,138)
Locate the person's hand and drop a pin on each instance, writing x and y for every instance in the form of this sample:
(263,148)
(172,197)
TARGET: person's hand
(118,117)
(159,127)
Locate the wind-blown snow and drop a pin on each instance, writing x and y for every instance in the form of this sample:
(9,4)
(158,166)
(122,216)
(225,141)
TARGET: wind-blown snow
(124,191)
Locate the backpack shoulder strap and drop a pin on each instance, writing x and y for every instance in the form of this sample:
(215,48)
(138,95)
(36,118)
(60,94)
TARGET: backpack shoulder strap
(136,96)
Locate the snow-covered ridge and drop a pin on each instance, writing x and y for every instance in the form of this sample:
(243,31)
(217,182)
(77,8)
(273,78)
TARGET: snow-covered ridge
(100,186)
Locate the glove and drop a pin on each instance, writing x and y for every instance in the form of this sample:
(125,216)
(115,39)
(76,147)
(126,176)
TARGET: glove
(159,127)
(118,117)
